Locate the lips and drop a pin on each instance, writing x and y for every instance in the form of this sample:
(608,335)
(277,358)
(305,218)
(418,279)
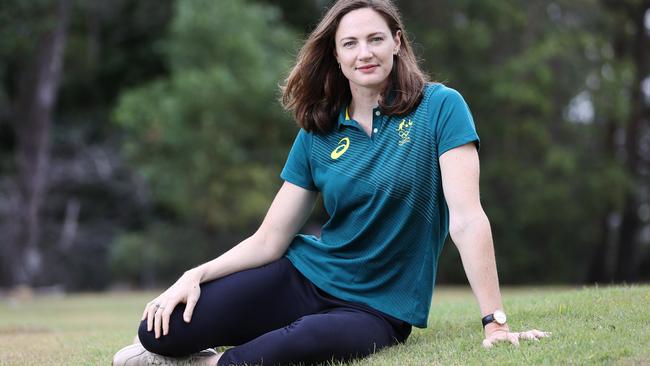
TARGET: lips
(367,68)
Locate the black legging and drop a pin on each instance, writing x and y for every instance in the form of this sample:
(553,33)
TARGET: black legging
(274,315)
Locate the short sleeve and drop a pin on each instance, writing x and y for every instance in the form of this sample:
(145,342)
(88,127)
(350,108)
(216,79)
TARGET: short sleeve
(453,122)
(297,169)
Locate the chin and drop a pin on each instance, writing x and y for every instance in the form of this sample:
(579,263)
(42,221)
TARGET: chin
(375,82)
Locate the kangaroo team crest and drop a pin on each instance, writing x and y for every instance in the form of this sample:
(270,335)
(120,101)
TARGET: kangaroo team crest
(403,131)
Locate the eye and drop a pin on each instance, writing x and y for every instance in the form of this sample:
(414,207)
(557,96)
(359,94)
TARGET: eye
(376,39)
(348,44)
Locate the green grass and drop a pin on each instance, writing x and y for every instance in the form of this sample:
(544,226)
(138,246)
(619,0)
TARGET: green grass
(607,325)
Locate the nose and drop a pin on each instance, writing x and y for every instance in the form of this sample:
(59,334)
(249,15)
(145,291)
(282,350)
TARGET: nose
(365,53)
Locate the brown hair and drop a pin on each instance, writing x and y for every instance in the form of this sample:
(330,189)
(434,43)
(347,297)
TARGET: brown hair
(316,89)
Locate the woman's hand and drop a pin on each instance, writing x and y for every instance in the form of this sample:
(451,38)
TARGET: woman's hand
(185,290)
(500,333)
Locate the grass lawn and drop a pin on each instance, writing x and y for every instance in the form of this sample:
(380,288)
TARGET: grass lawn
(606,325)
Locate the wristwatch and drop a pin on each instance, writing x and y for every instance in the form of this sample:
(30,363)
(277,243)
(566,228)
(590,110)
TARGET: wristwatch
(498,317)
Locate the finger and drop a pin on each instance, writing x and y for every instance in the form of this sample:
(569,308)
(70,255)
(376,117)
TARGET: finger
(157,321)
(166,315)
(527,335)
(165,322)
(535,334)
(192,299)
(540,334)
(150,316)
(514,338)
(487,343)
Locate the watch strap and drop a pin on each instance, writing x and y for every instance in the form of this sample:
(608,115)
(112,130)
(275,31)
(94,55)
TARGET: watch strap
(487,319)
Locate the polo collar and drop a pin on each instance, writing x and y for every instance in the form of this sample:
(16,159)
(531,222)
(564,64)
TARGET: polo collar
(344,119)
(344,116)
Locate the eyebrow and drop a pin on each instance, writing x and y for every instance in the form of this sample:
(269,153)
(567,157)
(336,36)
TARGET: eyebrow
(369,36)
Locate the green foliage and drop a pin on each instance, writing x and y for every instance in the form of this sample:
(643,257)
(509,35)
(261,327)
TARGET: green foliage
(21,22)
(546,181)
(209,138)
(160,253)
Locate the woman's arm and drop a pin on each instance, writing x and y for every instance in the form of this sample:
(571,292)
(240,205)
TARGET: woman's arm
(469,228)
(287,214)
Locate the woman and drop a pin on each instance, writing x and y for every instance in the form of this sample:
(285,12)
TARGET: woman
(395,158)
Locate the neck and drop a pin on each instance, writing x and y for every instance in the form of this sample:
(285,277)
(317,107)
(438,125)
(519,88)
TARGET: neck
(364,99)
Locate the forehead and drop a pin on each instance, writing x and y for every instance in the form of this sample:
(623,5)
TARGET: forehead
(361,22)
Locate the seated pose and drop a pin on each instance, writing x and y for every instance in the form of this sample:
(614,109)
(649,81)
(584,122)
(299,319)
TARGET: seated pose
(395,158)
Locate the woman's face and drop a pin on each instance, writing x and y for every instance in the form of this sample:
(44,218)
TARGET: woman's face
(365,48)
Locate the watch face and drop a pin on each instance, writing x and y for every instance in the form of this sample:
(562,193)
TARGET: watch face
(500,317)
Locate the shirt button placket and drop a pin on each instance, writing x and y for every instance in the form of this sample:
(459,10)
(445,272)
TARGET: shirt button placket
(375,130)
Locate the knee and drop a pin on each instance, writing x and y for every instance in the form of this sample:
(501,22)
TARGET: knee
(147,338)
(159,346)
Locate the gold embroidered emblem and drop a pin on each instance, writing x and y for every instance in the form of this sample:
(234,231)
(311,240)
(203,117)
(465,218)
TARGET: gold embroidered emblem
(403,131)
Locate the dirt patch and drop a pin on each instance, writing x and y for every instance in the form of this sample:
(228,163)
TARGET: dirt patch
(15,330)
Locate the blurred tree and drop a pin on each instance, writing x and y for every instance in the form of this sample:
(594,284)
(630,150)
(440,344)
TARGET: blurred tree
(210,138)
(31,117)
(524,67)
(555,88)
(301,15)
(87,193)
(528,71)
(632,49)
(521,65)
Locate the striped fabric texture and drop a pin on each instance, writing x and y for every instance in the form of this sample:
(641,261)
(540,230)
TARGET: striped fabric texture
(383,193)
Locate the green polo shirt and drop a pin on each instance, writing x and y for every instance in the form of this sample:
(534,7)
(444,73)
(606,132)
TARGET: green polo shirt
(388,218)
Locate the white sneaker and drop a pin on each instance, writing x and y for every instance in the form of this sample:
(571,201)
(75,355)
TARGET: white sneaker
(137,355)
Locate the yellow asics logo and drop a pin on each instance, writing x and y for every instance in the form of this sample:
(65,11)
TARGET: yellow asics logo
(342,148)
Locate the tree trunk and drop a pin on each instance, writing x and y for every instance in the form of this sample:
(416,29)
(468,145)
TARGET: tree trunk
(627,262)
(603,259)
(34,105)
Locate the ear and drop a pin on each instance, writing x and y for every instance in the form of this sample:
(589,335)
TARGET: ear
(397,40)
